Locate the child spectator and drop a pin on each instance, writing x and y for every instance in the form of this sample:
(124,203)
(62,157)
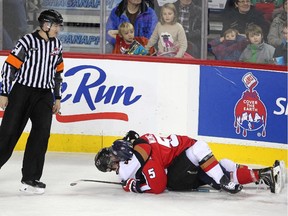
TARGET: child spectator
(257,51)
(275,33)
(127,43)
(280,55)
(169,34)
(230,46)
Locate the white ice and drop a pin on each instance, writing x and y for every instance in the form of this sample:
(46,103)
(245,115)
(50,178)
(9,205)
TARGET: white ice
(87,199)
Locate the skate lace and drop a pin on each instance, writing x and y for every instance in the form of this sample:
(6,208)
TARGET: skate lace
(230,186)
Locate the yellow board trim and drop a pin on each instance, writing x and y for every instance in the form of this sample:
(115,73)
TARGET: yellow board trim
(249,154)
(92,144)
(72,142)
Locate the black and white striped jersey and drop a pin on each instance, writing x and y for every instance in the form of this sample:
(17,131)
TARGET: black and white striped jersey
(34,62)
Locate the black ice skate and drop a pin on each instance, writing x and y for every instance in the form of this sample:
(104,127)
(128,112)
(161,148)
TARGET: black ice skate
(266,176)
(33,187)
(229,186)
(274,176)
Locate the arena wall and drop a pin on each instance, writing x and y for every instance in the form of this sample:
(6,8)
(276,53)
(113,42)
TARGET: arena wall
(239,109)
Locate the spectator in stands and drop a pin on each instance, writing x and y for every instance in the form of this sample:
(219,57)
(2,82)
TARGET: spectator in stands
(275,36)
(242,15)
(138,13)
(169,34)
(257,51)
(190,17)
(230,46)
(267,7)
(14,26)
(126,43)
(280,55)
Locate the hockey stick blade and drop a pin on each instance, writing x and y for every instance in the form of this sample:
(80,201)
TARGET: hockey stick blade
(205,190)
(93,180)
(199,189)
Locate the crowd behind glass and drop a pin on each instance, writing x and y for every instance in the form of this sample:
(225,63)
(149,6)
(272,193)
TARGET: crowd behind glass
(239,30)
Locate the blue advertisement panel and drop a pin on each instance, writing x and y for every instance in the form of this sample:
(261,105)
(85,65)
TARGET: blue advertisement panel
(243,104)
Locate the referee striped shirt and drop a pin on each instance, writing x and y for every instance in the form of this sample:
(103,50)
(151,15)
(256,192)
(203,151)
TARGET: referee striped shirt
(34,62)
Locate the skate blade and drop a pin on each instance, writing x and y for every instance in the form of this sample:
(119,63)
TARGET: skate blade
(278,178)
(283,172)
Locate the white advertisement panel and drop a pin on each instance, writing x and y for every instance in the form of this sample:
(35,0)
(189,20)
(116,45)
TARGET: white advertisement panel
(110,97)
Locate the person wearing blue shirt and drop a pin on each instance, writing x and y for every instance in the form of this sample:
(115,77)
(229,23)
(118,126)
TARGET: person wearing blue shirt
(138,13)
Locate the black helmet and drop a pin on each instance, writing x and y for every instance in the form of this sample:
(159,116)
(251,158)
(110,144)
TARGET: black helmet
(50,15)
(103,160)
(122,149)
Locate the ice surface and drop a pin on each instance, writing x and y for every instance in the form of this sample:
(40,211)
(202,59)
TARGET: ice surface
(87,199)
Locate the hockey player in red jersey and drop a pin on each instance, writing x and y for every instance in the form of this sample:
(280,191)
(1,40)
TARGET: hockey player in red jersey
(151,164)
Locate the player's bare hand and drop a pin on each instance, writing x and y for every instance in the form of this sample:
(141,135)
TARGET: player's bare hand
(3,102)
(56,107)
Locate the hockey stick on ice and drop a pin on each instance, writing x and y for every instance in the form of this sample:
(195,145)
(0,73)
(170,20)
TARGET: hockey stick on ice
(93,180)
(200,189)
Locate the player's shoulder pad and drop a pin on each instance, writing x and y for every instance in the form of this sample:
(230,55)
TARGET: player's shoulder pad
(139,141)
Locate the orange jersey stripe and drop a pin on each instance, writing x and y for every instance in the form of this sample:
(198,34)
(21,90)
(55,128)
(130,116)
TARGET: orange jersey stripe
(14,61)
(209,164)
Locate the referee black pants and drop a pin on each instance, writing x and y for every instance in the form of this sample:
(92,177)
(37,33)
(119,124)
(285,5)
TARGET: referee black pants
(26,103)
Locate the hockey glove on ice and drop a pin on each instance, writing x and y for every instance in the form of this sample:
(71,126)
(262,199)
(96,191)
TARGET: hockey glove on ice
(131,185)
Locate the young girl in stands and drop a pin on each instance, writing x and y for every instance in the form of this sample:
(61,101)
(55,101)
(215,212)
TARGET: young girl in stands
(169,34)
(126,43)
(257,51)
(230,46)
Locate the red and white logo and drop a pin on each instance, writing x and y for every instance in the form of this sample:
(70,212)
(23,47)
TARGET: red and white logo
(250,112)
(56,51)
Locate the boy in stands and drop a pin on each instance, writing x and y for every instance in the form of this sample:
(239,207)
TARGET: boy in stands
(127,43)
(257,51)
(150,164)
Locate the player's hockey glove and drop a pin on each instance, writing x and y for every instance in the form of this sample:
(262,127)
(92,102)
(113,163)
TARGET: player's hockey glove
(131,136)
(131,185)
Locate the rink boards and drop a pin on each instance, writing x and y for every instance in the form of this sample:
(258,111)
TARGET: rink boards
(241,112)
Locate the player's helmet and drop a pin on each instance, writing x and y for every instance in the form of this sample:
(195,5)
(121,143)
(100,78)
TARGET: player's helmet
(103,160)
(51,16)
(122,149)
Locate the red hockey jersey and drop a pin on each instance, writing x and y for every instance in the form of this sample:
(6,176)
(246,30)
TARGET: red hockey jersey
(157,153)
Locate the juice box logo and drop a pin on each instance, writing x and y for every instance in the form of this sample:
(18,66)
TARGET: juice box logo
(250,113)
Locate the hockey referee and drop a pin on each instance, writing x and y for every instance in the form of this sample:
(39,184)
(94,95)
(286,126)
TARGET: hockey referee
(31,89)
